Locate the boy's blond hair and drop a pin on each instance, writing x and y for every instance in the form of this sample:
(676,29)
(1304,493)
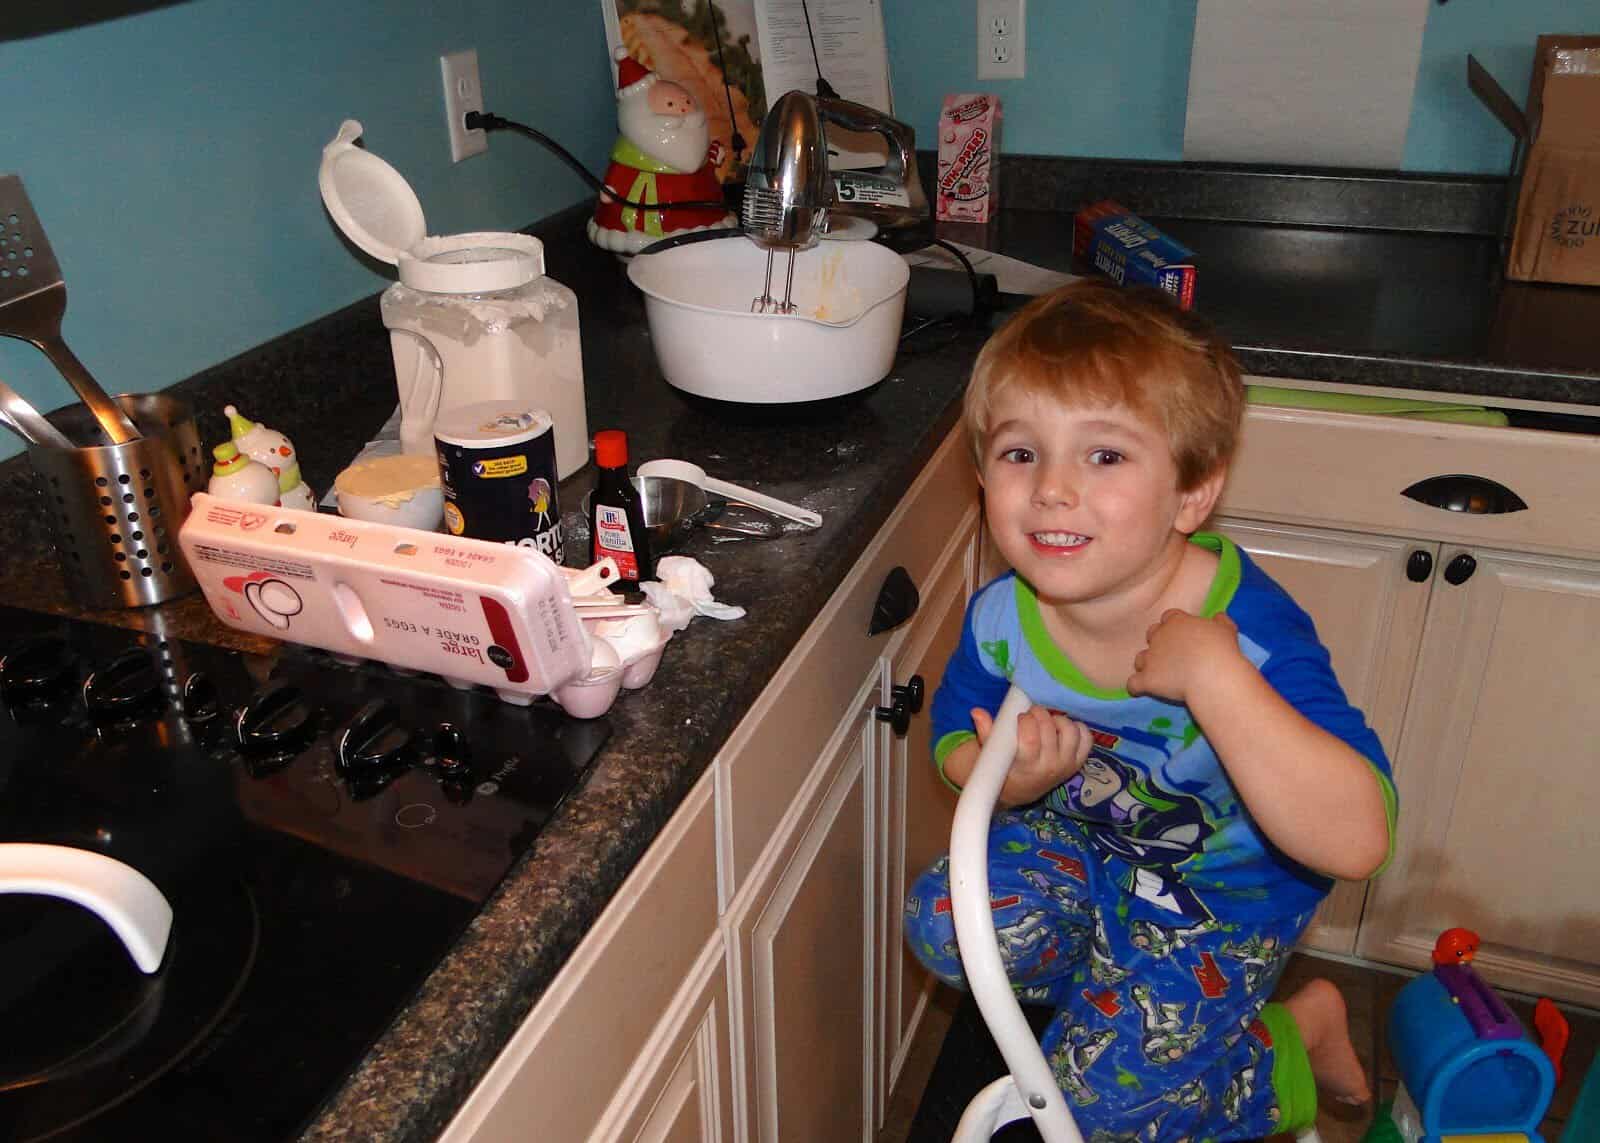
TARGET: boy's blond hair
(1089,344)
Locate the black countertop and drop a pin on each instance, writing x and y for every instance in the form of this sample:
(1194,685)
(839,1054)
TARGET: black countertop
(1295,298)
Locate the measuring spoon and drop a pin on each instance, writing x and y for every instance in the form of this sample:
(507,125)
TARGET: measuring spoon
(26,421)
(694,474)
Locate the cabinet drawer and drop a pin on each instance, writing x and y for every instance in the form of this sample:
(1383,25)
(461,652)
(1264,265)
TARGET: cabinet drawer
(569,1058)
(772,750)
(1350,470)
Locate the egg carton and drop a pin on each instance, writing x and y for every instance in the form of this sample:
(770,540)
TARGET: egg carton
(473,612)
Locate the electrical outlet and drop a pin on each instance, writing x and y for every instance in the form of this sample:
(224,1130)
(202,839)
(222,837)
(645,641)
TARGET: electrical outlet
(1002,39)
(462,93)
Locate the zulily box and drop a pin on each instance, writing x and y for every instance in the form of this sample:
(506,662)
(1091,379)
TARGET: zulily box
(1556,234)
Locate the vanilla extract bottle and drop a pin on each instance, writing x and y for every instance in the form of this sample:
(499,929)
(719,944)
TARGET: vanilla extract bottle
(616,518)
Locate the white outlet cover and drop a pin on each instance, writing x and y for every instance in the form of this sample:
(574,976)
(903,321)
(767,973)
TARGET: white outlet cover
(1002,39)
(463,92)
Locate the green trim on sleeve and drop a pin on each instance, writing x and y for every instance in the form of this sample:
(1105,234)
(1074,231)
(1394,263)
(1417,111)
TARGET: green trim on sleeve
(1391,811)
(942,749)
(1292,1083)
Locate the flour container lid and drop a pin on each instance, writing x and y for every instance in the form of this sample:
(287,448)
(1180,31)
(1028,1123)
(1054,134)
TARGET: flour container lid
(375,207)
(490,424)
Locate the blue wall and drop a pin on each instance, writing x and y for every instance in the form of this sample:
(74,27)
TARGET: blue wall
(172,155)
(172,158)
(1084,95)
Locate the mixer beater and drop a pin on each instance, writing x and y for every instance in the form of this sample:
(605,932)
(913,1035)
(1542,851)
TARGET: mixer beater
(787,191)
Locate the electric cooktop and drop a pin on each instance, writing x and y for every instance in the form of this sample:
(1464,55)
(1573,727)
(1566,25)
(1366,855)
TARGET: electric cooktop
(324,832)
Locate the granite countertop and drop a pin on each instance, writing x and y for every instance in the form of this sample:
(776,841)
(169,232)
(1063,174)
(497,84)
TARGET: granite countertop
(329,386)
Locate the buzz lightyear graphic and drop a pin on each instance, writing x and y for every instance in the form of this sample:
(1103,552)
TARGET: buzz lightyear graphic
(1261,957)
(1152,829)
(1163,940)
(1072,1057)
(1165,1039)
(1242,1087)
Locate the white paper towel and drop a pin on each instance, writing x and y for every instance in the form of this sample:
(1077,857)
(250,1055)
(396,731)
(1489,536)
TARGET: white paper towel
(1306,82)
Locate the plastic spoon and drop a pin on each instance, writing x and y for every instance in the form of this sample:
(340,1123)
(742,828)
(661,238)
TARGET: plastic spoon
(26,421)
(694,474)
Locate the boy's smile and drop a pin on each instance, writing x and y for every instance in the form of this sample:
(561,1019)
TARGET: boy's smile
(1084,502)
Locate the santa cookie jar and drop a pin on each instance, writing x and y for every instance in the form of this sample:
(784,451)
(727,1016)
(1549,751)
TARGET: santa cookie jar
(663,155)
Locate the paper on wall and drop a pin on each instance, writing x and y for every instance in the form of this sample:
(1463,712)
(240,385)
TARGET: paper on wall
(765,50)
(1303,81)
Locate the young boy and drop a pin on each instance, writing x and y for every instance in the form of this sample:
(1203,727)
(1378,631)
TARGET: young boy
(1191,776)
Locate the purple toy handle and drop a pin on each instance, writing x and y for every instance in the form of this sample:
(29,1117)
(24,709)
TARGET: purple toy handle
(1486,1013)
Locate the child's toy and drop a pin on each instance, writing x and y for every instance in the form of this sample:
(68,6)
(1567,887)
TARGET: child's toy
(1469,1071)
(1584,1122)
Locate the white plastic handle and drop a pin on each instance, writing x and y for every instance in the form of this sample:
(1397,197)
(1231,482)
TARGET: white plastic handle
(767,503)
(975,935)
(694,474)
(123,897)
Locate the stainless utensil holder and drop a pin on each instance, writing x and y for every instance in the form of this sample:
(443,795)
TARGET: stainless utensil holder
(115,510)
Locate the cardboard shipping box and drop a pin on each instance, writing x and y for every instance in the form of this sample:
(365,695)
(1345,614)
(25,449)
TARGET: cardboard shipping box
(1557,232)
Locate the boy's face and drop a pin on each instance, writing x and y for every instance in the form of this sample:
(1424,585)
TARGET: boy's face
(1085,502)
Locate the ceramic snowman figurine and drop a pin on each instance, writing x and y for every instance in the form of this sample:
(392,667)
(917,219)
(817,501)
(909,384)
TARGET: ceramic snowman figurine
(273,449)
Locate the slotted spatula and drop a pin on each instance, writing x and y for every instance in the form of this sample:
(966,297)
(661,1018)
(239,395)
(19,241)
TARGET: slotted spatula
(33,299)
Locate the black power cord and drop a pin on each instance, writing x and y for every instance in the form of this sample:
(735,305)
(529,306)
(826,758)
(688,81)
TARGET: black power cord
(488,121)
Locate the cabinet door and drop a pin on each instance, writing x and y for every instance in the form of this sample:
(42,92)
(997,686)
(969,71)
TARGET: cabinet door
(682,1087)
(1497,777)
(802,943)
(919,807)
(1369,614)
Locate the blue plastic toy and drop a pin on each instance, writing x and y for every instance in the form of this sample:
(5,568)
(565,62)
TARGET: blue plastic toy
(1468,1067)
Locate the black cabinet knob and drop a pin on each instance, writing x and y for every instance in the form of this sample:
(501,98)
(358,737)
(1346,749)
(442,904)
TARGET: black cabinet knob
(373,740)
(127,686)
(1460,569)
(276,720)
(904,701)
(897,601)
(1419,566)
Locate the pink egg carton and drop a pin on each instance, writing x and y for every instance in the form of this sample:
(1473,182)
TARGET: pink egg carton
(474,612)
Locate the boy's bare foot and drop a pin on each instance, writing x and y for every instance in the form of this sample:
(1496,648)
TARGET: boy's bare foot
(1319,1012)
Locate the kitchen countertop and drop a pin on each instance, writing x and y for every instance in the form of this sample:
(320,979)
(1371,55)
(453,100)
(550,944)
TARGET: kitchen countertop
(1293,299)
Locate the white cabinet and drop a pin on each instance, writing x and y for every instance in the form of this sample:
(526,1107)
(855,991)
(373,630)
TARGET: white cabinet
(826,1002)
(746,982)
(802,947)
(1472,641)
(1498,774)
(1368,611)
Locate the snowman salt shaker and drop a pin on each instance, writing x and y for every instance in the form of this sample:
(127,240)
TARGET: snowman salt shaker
(271,448)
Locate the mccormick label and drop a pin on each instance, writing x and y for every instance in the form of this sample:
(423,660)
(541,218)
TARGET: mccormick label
(969,130)
(612,538)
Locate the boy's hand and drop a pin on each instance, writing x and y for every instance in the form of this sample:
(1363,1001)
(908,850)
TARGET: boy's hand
(1050,749)
(1183,652)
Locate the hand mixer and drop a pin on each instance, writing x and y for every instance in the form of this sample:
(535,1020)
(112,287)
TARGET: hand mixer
(789,191)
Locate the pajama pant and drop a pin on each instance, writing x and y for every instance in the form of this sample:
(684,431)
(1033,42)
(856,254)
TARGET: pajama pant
(1159,1032)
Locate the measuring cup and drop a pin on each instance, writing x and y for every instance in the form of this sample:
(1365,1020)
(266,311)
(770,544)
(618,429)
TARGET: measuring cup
(694,474)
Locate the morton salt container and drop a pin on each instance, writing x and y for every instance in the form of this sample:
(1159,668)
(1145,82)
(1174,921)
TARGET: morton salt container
(473,317)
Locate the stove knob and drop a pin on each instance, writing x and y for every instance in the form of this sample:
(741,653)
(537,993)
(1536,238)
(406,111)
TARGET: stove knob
(452,754)
(276,720)
(39,668)
(372,741)
(201,701)
(129,685)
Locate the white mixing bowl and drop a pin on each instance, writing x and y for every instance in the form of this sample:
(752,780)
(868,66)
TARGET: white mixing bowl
(850,298)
